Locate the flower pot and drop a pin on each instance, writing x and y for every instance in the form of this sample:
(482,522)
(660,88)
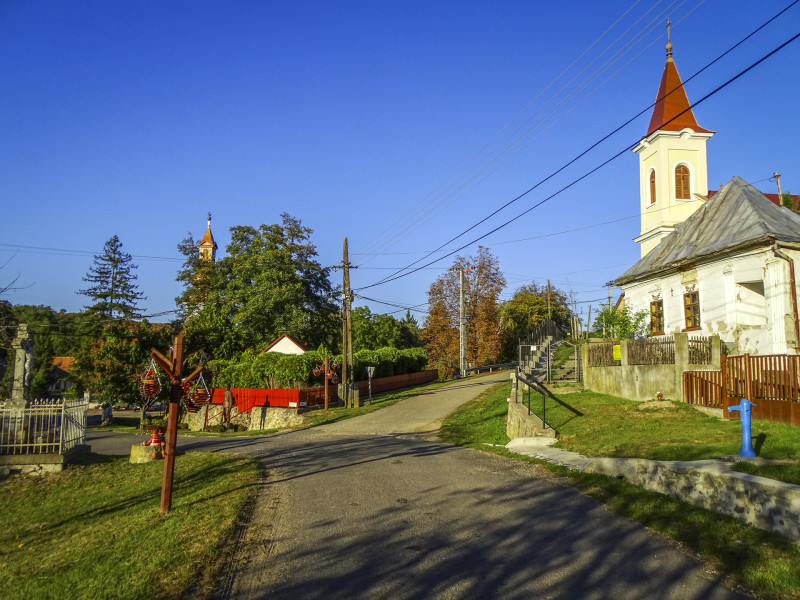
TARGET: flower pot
(149,388)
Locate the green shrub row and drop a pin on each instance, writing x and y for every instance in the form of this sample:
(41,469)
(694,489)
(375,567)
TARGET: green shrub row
(275,370)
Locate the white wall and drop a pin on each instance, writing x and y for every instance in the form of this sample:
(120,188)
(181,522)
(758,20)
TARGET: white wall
(744,299)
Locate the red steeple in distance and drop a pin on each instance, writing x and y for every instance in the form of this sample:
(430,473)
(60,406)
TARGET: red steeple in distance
(672,111)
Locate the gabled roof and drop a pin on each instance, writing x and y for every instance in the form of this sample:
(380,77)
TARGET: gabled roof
(774,198)
(287,337)
(736,218)
(672,111)
(64,363)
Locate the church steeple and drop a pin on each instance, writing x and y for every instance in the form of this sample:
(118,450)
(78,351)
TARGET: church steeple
(672,111)
(673,169)
(208,247)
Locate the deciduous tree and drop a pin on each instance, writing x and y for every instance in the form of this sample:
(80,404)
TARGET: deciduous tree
(483,282)
(620,323)
(269,283)
(527,309)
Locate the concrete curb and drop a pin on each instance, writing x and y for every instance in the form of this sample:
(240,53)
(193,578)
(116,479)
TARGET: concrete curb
(764,503)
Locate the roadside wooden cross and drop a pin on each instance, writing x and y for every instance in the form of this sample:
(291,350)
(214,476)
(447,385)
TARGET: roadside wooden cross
(173,366)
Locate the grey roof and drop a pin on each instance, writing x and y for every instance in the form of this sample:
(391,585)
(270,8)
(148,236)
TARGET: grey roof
(738,217)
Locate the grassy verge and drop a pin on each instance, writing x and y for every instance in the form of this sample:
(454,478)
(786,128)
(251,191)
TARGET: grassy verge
(95,531)
(321,417)
(763,562)
(600,425)
(127,424)
(788,473)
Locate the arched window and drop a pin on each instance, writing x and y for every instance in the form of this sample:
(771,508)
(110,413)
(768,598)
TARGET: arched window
(652,186)
(682,181)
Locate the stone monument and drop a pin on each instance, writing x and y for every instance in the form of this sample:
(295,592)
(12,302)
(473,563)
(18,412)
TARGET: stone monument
(23,366)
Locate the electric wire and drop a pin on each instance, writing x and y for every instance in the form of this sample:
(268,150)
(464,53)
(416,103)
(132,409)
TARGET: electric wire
(407,224)
(395,276)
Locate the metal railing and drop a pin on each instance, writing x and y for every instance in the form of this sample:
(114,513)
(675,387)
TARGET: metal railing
(491,368)
(535,385)
(47,426)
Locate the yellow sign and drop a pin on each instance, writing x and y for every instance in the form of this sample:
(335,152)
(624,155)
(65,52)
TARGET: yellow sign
(617,352)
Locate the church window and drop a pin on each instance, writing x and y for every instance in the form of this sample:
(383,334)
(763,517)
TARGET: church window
(652,186)
(691,310)
(682,181)
(657,317)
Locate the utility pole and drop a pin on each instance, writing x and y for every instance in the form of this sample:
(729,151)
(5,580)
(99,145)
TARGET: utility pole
(347,332)
(589,322)
(778,181)
(548,300)
(462,324)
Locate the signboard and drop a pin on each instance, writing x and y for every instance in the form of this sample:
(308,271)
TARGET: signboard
(370,372)
(617,352)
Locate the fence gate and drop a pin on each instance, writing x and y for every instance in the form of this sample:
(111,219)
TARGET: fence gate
(565,363)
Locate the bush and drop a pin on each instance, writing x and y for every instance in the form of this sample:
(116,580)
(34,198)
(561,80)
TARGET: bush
(275,370)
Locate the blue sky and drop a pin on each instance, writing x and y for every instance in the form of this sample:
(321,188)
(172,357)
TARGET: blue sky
(376,121)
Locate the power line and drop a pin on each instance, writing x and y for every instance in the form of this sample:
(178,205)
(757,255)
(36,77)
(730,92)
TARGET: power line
(432,207)
(399,274)
(73,252)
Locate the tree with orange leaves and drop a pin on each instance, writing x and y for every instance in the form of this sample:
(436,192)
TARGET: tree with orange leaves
(483,282)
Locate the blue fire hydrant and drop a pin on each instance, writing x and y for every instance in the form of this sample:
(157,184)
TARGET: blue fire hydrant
(747,437)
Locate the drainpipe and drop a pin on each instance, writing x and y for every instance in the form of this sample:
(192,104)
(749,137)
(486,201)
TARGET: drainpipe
(793,289)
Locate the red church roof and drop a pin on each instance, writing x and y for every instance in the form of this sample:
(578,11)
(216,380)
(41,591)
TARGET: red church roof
(672,111)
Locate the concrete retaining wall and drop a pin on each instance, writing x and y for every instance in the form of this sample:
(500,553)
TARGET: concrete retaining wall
(764,503)
(273,417)
(521,424)
(641,382)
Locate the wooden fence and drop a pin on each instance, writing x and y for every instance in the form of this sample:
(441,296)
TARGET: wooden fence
(247,398)
(602,355)
(770,382)
(396,382)
(652,351)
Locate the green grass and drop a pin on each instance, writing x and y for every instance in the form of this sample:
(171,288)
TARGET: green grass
(600,425)
(129,424)
(763,562)
(788,473)
(95,530)
(332,415)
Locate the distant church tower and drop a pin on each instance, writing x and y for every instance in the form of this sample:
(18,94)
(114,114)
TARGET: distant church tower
(673,168)
(208,247)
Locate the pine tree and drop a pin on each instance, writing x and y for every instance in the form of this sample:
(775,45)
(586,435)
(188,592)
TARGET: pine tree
(113,289)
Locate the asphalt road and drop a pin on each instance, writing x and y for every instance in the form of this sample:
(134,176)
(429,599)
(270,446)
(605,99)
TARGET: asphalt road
(377,507)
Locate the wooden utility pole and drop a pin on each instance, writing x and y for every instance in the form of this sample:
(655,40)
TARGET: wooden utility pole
(463,365)
(548,300)
(347,331)
(589,322)
(173,367)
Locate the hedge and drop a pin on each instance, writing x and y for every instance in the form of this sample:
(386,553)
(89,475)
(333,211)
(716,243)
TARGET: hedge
(276,370)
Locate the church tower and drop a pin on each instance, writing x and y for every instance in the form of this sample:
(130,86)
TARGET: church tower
(208,247)
(673,168)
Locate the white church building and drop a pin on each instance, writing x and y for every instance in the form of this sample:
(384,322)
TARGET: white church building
(721,263)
